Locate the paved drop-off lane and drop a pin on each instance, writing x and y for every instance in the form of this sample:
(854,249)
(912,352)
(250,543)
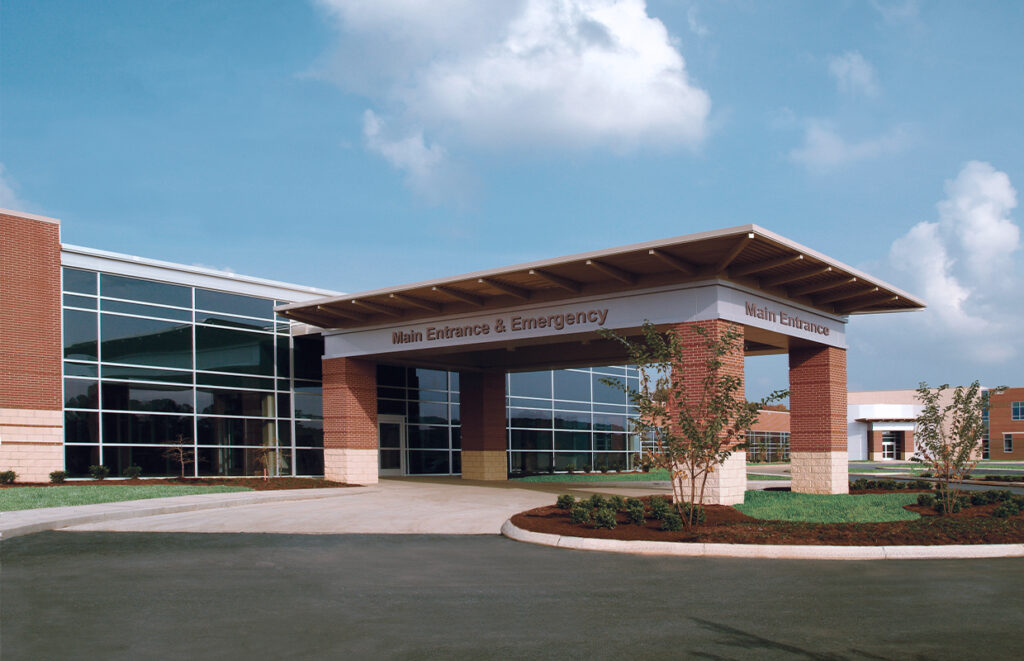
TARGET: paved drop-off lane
(91,595)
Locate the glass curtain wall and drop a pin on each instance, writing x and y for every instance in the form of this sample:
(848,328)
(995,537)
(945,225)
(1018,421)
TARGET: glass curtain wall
(767,446)
(429,401)
(150,366)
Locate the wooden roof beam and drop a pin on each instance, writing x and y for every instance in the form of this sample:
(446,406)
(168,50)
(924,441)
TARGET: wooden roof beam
(377,307)
(613,271)
(733,253)
(820,286)
(842,296)
(336,309)
(673,261)
(793,277)
(868,301)
(460,295)
(765,265)
(558,281)
(307,317)
(511,290)
(416,302)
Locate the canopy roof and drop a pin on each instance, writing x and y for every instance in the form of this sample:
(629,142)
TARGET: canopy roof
(748,255)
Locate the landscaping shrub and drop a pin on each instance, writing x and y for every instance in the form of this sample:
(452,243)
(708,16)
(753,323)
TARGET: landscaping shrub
(580,513)
(99,472)
(1001,495)
(570,469)
(603,468)
(604,518)
(980,498)
(920,484)
(964,502)
(635,511)
(596,501)
(617,503)
(1008,508)
(926,499)
(133,472)
(697,515)
(940,507)
(58,476)
(671,521)
(8,477)
(926,474)
(565,501)
(660,507)
(859,484)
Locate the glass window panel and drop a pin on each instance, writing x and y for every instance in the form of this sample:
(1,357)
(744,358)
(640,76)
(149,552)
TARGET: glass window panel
(573,385)
(81,427)
(309,433)
(309,462)
(572,420)
(391,376)
(81,394)
(429,395)
(453,381)
(426,436)
(284,354)
(456,462)
(431,413)
(79,335)
(530,439)
(153,398)
(391,393)
(146,310)
(247,306)
(144,429)
(242,461)
(70,300)
(428,379)
(456,437)
(455,419)
(284,433)
(80,369)
(234,322)
(390,407)
(145,374)
(606,393)
(530,384)
(135,289)
(284,405)
(611,408)
(530,462)
(235,431)
(616,461)
(225,350)
(577,461)
(608,441)
(529,403)
(230,381)
(309,405)
(608,422)
(572,406)
(611,369)
(78,458)
(529,418)
(145,341)
(151,459)
(214,401)
(572,440)
(428,463)
(83,282)
(308,357)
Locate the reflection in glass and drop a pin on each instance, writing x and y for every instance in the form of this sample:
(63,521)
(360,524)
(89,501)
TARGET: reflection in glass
(153,398)
(135,289)
(79,335)
(226,350)
(146,341)
(82,282)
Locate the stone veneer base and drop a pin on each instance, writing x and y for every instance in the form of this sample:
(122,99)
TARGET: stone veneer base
(820,472)
(489,465)
(350,466)
(31,443)
(727,484)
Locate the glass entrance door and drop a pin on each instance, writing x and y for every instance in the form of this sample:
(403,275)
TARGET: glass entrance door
(391,441)
(888,445)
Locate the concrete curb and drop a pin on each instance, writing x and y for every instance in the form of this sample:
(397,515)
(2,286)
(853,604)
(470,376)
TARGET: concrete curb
(781,551)
(26,522)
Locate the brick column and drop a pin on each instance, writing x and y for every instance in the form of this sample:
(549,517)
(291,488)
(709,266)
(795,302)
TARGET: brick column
(350,420)
(484,435)
(31,410)
(728,482)
(874,443)
(908,444)
(817,402)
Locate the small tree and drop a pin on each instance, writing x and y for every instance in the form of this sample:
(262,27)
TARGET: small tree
(693,432)
(181,453)
(948,435)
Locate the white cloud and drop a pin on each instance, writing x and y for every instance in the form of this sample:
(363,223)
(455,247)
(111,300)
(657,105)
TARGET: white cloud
(898,11)
(963,267)
(8,198)
(854,75)
(824,148)
(523,74)
(694,23)
(408,153)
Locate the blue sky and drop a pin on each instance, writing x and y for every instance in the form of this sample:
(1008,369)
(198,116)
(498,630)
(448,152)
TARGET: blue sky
(354,144)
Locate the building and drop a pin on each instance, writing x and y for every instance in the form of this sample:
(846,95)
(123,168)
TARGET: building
(1005,433)
(110,359)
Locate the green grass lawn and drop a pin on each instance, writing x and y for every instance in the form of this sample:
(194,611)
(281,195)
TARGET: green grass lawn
(763,478)
(25,498)
(825,508)
(657,474)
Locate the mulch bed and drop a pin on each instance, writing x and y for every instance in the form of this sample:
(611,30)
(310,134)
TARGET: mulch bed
(254,483)
(728,525)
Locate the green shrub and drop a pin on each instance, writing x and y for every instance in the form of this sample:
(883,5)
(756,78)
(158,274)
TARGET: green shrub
(604,518)
(980,498)
(133,472)
(699,516)
(565,501)
(99,472)
(964,501)
(1001,495)
(617,503)
(596,501)
(926,499)
(926,474)
(603,468)
(671,521)
(940,506)
(859,484)
(8,477)
(1007,508)
(580,513)
(58,476)
(636,514)
(921,484)
(570,469)
(660,507)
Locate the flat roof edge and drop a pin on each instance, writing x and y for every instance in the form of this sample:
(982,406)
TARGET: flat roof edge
(29,216)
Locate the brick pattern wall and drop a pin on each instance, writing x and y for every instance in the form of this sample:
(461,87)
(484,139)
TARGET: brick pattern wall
(30,315)
(907,444)
(1000,421)
(817,399)
(350,404)
(772,421)
(874,443)
(482,411)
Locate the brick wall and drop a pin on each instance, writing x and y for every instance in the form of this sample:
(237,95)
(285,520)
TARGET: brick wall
(482,411)
(817,399)
(1000,421)
(30,316)
(772,421)
(350,404)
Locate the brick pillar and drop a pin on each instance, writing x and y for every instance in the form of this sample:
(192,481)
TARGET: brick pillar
(484,435)
(874,443)
(350,420)
(908,444)
(728,482)
(31,410)
(817,402)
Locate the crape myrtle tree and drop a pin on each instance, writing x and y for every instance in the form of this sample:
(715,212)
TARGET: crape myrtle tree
(693,433)
(948,435)
(180,453)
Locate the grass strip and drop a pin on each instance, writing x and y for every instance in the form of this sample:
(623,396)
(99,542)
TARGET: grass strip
(828,508)
(25,498)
